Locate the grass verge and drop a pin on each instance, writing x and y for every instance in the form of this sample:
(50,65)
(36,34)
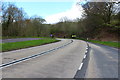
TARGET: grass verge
(26,44)
(108,43)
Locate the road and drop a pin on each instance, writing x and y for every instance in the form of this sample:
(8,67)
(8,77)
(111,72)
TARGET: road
(75,60)
(103,62)
(63,62)
(17,40)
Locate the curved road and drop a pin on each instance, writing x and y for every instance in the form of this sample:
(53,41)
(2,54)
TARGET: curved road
(103,62)
(62,63)
(98,62)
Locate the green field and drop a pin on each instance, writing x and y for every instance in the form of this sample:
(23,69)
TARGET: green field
(26,44)
(108,43)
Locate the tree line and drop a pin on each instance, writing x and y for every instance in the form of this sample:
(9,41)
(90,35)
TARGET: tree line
(96,17)
(16,23)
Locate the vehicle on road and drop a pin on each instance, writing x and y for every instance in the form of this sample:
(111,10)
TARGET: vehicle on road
(74,36)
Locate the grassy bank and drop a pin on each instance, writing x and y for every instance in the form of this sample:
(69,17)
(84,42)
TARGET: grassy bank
(26,44)
(108,43)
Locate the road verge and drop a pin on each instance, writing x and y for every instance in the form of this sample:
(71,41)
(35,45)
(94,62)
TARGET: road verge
(26,44)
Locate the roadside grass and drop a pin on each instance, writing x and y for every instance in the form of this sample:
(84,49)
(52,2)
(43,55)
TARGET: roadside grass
(108,43)
(26,44)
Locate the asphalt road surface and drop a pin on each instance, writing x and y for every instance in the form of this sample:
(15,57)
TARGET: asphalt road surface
(17,40)
(103,62)
(75,60)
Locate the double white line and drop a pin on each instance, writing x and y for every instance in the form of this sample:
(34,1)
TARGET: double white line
(33,56)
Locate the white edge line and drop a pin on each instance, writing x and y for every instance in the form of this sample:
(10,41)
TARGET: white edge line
(80,66)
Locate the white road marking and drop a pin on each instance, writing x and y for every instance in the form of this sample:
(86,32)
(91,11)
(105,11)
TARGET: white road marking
(80,66)
(87,48)
(30,57)
(84,56)
(85,51)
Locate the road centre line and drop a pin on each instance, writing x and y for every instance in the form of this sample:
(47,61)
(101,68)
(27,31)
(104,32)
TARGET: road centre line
(80,66)
(87,48)
(33,56)
(84,56)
